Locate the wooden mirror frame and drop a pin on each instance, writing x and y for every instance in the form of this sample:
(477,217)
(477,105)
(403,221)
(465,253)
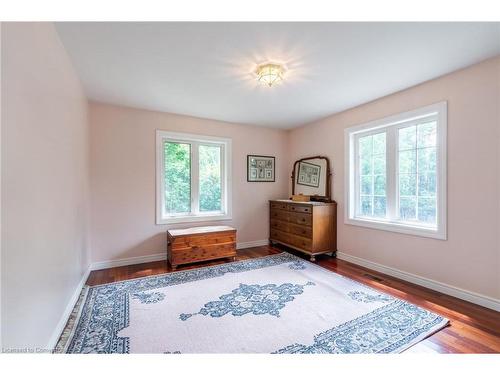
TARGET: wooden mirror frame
(328,188)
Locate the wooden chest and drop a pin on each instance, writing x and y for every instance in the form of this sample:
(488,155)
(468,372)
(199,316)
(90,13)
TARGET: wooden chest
(199,244)
(310,227)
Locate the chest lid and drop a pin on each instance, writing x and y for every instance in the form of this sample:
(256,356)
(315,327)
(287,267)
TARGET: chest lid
(200,231)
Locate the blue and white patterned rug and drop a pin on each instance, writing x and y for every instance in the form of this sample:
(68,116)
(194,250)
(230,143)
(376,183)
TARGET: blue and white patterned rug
(275,304)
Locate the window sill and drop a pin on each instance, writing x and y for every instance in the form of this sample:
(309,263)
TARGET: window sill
(404,228)
(192,219)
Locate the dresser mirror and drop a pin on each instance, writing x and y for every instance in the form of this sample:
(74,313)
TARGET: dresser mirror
(312,177)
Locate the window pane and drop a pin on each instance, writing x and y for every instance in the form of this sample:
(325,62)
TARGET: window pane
(407,161)
(427,184)
(379,206)
(210,178)
(379,164)
(427,210)
(379,185)
(366,206)
(372,175)
(177,177)
(407,184)
(426,134)
(366,185)
(427,159)
(408,138)
(417,168)
(366,166)
(366,146)
(408,208)
(379,144)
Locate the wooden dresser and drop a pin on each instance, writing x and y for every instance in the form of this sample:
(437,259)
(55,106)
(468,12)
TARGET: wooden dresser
(199,244)
(310,227)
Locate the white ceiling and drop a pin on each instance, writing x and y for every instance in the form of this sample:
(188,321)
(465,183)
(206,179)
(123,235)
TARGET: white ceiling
(206,69)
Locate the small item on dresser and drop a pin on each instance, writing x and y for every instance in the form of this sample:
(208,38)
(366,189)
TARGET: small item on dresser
(200,243)
(319,198)
(301,198)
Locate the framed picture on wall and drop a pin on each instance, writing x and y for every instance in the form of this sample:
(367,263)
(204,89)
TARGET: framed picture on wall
(308,174)
(260,168)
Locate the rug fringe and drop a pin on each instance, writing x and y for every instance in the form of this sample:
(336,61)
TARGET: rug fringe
(68,331)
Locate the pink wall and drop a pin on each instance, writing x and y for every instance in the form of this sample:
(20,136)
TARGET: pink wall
(44,184)
(45,180)
(123,178)
(470,258)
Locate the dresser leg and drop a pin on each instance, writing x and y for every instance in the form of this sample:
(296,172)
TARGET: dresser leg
(313,258)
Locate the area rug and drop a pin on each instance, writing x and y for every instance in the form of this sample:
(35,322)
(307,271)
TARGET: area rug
(274,304)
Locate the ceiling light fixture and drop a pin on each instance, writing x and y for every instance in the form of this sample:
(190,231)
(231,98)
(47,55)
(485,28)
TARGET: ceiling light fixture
(270,74)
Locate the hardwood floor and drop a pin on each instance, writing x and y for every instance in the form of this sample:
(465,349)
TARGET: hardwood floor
(472,329)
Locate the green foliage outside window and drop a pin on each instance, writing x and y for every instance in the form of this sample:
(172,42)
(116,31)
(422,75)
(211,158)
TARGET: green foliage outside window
(417,172)
(210,178)
(177,177)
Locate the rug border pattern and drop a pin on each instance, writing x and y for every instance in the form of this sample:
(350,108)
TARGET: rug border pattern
(73,342)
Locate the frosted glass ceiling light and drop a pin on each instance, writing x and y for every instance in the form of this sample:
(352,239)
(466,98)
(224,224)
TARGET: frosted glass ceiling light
(270,74)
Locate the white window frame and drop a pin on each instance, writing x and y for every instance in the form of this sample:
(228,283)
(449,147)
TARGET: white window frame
(392,124)
(194,140)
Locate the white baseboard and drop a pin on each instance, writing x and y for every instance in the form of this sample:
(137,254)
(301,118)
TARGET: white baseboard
(128,261)
(67,312)
(466,295)
(245,245)
(161,256)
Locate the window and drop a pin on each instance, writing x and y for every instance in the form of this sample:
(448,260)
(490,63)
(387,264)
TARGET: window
(396,173)
(192,174)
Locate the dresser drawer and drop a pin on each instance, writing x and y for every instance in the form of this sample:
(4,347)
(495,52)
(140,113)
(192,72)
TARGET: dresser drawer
(279,214)
(300,230)
(279,206)
(301,242)
(280,225)
(293,240)
(199,253)
(298,218)
(279,235)
(302,208)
